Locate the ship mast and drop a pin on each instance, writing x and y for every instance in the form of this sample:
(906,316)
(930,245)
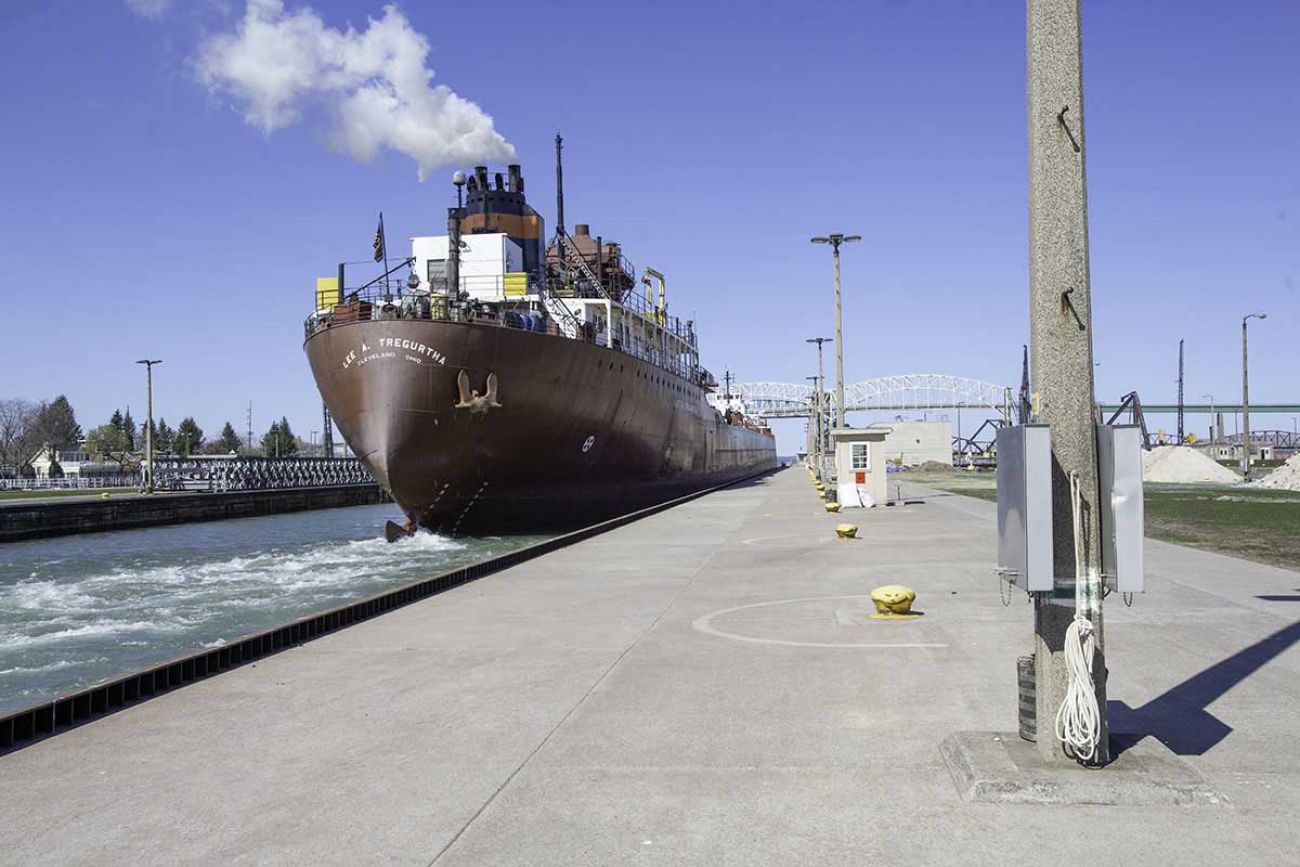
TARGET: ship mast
(559,194)
(559,185)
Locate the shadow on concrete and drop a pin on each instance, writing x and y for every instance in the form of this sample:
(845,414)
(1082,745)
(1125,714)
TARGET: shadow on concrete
(1178,718)
(1277,598)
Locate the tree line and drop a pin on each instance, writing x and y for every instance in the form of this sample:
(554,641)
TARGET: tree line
(26,427)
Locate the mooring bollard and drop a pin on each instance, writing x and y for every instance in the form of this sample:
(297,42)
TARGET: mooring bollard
(847,531)
(894,602)
(832,507)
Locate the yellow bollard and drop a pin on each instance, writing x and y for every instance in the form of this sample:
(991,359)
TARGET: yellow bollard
(105,495)
(821,494)
(832,507)
(894,602)
(847,531)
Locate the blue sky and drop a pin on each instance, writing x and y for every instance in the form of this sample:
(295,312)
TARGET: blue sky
(143,215)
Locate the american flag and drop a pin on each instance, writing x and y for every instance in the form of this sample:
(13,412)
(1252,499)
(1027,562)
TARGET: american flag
(380,251)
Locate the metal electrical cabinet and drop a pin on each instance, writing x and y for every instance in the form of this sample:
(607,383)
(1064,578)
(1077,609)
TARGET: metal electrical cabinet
(1119,464)
(1025,506)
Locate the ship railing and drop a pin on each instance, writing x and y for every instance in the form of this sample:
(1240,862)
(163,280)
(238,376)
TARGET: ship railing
(483,300)
(632,300)
(487,305)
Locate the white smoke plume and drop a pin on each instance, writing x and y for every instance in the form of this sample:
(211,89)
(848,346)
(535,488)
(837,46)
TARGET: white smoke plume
(373,84)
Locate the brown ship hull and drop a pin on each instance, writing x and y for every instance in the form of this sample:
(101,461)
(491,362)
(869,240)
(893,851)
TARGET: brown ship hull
(578,432)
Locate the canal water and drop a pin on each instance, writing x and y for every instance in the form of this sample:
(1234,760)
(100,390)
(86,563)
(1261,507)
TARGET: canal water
(79,609)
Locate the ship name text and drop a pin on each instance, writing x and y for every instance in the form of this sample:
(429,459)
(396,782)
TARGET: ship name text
(413,351)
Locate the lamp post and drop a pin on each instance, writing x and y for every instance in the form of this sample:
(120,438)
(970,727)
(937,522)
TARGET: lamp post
(1214,427)
(821,380)
(835,241)
(452,276)
(1245,397)
(148,424)
(814,423)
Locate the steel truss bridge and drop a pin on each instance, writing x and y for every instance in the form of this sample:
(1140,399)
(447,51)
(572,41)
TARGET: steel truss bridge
(221,473)
(1281,439)
(909,391)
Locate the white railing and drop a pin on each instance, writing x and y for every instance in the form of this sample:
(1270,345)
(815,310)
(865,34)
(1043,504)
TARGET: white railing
(72,483)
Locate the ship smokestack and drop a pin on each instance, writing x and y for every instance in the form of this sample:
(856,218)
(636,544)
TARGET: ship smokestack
(515,182)
(480,172)
(501,185)
(582,229)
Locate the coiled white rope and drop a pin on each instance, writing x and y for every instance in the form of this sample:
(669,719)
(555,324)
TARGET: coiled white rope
(1078,721)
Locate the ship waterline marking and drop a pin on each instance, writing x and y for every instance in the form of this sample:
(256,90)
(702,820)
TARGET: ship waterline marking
(386,347)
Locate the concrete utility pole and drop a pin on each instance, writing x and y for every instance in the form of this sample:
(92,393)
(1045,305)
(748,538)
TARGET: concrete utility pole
(1245,398)
(148,424)
(815,426)
(1213,429)
(1061,344)
(835,241)
(821,379)
(1181,433)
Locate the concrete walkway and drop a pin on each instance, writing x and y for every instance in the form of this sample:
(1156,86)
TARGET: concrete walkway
(700,687)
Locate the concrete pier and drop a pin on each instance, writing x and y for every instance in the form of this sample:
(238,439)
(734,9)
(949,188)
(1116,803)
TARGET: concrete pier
(42,518)
(703,686)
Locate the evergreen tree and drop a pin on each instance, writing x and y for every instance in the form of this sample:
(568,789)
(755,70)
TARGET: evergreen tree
(164,438)
(116,421)
(128,428)
(56,425)
(229,439)
(271,439)
(279,441)
(189,436)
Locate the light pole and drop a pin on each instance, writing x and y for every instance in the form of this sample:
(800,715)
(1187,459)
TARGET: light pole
(821,380)
(1245,397)
(815,423)
(1214,427)
(148,424)
(452,276)
(835,241)
(313,444)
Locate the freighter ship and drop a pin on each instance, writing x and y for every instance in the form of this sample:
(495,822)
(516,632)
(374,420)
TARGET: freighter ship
(510,385)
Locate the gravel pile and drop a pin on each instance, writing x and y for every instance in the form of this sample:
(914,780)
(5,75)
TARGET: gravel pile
(935,467)
(1285,477)
(1185,466)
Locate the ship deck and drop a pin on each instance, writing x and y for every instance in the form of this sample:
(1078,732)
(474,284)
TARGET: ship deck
(699,687)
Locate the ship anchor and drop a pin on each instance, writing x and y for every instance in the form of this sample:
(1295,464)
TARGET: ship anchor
(476,403)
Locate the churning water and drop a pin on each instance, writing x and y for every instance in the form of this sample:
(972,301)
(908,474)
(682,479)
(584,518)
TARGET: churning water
(80,609)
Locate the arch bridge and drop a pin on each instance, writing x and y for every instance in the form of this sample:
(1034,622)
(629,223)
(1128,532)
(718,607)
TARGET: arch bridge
(909,391)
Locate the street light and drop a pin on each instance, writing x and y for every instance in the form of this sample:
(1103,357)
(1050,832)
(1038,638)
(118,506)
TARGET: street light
(148,425)
(835,241)
(452,277)
(821,380)
(814,432)
(1214,425)
(1245,397)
